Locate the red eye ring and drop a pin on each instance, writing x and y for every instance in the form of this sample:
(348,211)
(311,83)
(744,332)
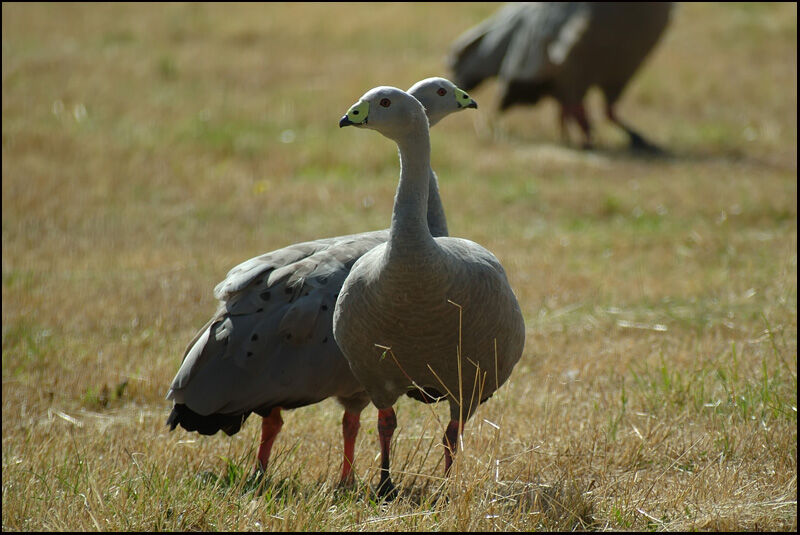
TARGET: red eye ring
(441,91)
(385,102)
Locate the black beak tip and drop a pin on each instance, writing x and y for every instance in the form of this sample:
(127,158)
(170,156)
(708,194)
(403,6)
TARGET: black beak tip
(344,121)
(472,104)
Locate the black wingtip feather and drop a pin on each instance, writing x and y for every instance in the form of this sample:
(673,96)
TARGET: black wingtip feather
(205,425)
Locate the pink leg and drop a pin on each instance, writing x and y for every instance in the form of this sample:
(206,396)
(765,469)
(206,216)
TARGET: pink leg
(583,122)
(563,117)
(350,425)
(577,112)
(387,423)
(270,427)
(450,442)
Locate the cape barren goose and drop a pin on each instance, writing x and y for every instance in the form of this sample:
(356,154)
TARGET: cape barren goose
(561,49)
(270,344)
(420,313)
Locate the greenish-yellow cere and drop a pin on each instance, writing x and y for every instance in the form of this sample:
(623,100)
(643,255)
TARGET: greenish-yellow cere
(462,97)
(358,113)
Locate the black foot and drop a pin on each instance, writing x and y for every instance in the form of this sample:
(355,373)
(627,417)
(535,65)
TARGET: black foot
(257,474)
(386,490)
(257,480)
(640,144)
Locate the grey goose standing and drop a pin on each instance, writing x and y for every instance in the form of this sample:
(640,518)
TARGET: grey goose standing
(561,49)
(270,344)
(431,314)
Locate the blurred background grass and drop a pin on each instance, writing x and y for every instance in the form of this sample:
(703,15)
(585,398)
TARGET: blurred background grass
(147,149)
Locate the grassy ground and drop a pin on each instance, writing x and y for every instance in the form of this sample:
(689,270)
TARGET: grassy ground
(148,149)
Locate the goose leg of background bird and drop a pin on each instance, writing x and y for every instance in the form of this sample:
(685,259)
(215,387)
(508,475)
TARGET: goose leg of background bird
(270,427)
(351,421)
(450,442)
(637,141)
(580,115)
(387,422)
(563,119)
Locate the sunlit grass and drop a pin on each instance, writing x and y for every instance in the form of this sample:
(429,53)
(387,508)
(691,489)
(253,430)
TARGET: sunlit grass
(149,149)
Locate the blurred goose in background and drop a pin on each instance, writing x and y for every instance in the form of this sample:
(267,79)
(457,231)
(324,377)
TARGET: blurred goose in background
(270,345)
(418,312)
(561,49)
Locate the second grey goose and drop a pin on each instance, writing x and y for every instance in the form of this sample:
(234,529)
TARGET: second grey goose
(561,49)
(435,314)
(270,344)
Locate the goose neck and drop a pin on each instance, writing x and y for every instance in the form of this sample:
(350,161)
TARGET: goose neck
(437,222)
(409,231)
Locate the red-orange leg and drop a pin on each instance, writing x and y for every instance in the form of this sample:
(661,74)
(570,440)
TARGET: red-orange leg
(350,425)
(450,442)
(270,427)
(578,112)
(387,423)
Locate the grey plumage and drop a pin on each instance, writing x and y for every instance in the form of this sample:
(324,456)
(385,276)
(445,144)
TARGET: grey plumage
(270,345)
(561,49)
(423,312)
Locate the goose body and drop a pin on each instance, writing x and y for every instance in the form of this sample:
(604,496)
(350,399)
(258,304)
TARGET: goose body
(561,49)
(445,297)
(418,313)
(270,345)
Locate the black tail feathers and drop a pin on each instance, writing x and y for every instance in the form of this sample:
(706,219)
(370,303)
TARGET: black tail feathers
(205,425)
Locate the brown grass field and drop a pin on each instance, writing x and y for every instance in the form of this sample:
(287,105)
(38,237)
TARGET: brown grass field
(147,149)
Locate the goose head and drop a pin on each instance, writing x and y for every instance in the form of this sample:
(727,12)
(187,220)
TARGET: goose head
(440,97)
(388,110)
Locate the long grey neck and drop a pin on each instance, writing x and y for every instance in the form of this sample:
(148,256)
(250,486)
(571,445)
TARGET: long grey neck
(409,233)
(437,222)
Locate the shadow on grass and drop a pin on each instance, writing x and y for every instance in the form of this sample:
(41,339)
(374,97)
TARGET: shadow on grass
(649,152)
(256,483)
(662,154)
(236,480)
(721,156)
(559,506)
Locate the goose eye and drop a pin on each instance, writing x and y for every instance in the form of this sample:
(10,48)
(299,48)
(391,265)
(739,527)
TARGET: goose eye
(441,92)
(385,102)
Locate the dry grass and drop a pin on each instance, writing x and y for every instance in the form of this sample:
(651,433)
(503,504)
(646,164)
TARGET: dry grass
(146,150)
